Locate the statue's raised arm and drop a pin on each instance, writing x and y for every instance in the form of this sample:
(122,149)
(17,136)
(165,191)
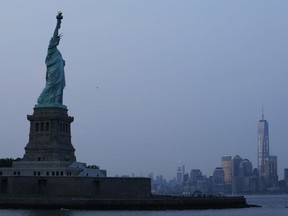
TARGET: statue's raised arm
(59,17)
(52,94)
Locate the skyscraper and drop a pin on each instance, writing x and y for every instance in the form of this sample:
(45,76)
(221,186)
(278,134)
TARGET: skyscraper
(227,168)
(180,174)
(237,180)
(267,164)
(218,184)
(263,146)
(286,175)
(272,171)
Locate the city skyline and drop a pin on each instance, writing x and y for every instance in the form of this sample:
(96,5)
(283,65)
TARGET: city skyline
(265,162)
(150,83)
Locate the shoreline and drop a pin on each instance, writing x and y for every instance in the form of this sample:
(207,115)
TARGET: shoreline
(152,203)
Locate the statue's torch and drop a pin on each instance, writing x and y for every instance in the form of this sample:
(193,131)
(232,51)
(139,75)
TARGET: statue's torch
(59,15)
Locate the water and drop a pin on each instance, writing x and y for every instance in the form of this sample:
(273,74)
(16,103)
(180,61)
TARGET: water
(275,205)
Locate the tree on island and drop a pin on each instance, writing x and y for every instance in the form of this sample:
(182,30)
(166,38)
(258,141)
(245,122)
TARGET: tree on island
(7,162)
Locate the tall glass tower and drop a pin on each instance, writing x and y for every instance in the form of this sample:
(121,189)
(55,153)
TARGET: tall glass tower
(227,168)
(263,146)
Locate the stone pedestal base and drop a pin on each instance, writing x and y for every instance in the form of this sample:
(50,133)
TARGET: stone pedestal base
(50,135)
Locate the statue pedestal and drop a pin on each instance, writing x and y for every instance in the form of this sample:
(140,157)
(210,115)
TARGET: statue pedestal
(50,135)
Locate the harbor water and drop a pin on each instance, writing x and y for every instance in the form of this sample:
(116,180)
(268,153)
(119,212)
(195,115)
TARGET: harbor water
(275,205)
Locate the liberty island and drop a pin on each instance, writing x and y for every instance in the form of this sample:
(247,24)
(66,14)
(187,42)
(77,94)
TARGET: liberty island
(49,176)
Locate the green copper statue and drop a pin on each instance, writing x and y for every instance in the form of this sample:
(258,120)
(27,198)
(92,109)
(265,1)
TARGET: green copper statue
(52,94)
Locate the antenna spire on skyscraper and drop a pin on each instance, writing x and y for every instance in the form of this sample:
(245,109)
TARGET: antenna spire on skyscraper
(262,112)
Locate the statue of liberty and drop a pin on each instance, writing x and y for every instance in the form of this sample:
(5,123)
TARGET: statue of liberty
(52,94)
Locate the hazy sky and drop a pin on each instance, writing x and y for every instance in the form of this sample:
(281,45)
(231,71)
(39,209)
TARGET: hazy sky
(151,82)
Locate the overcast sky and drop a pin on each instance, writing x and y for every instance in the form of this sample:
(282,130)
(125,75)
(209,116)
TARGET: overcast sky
(151,83)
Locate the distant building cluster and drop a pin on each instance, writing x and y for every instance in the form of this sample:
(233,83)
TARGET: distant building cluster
(235,176)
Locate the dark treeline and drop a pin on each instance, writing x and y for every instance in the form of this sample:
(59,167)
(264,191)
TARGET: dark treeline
(7,162)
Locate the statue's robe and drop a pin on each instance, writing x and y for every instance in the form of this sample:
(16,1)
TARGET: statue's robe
(52,94)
